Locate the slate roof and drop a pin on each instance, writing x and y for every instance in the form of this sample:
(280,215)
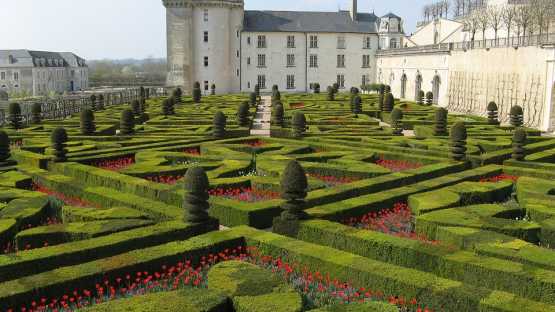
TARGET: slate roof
(297,21)
(391,15)
(29,58)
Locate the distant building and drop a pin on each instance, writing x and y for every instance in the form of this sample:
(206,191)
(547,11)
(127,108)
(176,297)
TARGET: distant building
(38,72)
(218,42)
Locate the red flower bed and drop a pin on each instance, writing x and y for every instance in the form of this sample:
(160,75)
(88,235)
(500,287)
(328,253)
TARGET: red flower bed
(333,180)
(317,288)
(397,221)
(171,180)
(115,164)
(501,177)
(296,105)
(194,151)
(256,143)
(397,165)
(67,200)
(250,195)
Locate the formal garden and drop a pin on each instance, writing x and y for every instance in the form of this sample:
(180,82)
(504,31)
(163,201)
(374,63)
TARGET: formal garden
(356,202)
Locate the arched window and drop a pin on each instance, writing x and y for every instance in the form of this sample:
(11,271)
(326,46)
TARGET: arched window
(435,88)
(393,43)
(404,86)
(417,86)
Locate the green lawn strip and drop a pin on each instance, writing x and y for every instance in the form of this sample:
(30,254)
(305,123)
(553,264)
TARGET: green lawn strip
(65,279)
(430,290)
(486,271)
(189,300)
(340,210)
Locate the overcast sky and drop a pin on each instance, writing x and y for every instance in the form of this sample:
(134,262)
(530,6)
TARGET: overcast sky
(117,29)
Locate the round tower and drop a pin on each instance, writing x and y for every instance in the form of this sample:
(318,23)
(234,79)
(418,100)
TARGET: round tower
(203,38)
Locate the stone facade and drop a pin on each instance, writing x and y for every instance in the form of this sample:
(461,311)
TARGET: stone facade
(39,73)
(217,42)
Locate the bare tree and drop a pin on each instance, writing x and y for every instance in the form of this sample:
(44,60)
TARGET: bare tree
(483,21)
(457,8)
(446,6)
(472,23)
(541,14)
(495,14)
(523,19)
(508,16)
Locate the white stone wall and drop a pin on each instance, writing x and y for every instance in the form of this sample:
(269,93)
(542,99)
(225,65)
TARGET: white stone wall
(325,74)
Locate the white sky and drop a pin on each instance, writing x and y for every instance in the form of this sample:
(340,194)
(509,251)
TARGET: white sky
(117,29)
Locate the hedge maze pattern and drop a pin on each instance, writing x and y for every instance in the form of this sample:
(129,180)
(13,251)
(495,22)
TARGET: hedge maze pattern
(394,220)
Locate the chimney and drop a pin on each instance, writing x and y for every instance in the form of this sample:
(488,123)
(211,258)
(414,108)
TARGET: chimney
(354,10)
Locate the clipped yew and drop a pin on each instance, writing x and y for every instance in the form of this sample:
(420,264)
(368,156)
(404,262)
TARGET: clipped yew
(88,126)
(257,90)
(397,121)
(219,124)
(100,102)
(14,116)
(294,186)
(36,113)
(197,94)
(127,122)
(335,88)
(279,114)
(429,98)
(317,88)
(177,94)
(92,99)
(388,103)
(420,98)
(4,146)
(59,139)
(517,116)
(330,94)
(440,122)
(243,114)
(168,106)
(458,141)
(213,89)
(276,97)
(493,113)
(357,105)
(519,140)
(381,97)
(299,125)
(253,99)
(136,107)
(195,199)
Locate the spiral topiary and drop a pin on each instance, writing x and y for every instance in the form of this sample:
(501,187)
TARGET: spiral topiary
(177,93)
(517,116)
(36,112)
(4,146)
(458,141)
(397,121)
(100,102)
(143,104)
(253,99)
(493,113)
(14,116)
(381,97)
(197,94)
(387,89)
(519,140)
(168,107)
(279,115)
(136,107)
(440,126)
(59,139)
(317,88)
(276,97)
(219,124)
(127,122)
(420,98)
(357,105)
(335,88)
(330,94)
(429,98)
(93,102)
(257,90)
(299,125)
(294,187)
(88,126)
(213,89)
(142,91)
(243,114)
(274,89)
(195,200)
(388,103)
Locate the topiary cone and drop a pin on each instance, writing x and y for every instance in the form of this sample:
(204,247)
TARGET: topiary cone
(397,121)
(279,115)
(517,116)
(519,140)
(493,113)
(389,102)
(59,139)
(357,105)
(458,141)
(93,102)
(127,122)
(195,200)
(136,107)
(14,116)
(219,124)
(253,99)
(4,146)
(330,94)
(88,126)
(243,114)
(294,187)
(440,126)
(299,125)
(429,98)
(36,112)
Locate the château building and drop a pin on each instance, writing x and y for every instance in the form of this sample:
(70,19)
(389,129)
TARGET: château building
(218,42)
(39,73)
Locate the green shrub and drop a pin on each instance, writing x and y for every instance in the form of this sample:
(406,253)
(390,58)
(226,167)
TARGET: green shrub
(458,141)
(440,126)
(389,102)
(317,88)
(168,106)
(219,124)
(429,98)
(127,122)
(196,196)
(36,112)
(213,89)
(493,114)
(59,139)
(4,146)
(88,126)
(381,97)
(519,140)
(100,102)
(243,114)
(357,105)
(397,121)
(299,125)
(136,107)
(420,97)
(276,97)
(92,101)
(335,88)
(294,186)
(517,116)
(197,93)
(330,94)
(279,115)
(253,99)
(14,116)
(257,90)
(177,93)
